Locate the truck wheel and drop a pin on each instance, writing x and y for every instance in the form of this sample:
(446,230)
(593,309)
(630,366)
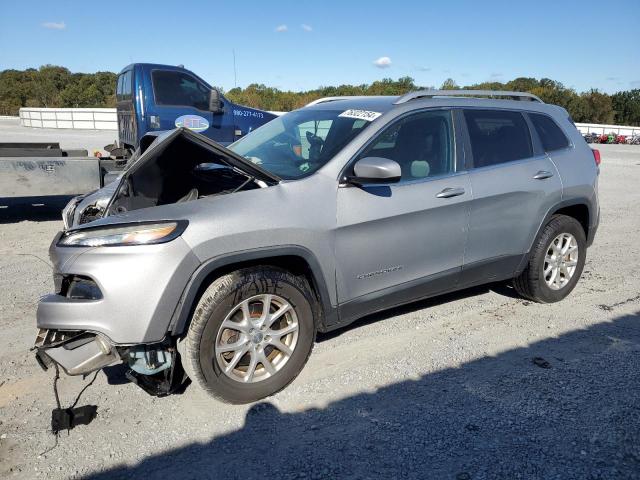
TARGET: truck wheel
(556,261)
(251,334)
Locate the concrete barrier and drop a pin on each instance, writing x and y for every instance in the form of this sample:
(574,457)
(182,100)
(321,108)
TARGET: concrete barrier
(76,118)
(106,119)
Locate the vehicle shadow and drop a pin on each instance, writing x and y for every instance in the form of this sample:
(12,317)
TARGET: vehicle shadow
(505,416)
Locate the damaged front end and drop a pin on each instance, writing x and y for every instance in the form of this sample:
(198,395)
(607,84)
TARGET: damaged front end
(154,368)
(117,280)
(173,167)
(78,353)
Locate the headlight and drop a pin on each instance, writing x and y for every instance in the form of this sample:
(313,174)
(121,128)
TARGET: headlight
(119,235)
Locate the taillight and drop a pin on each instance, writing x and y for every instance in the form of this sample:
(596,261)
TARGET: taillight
(596,156)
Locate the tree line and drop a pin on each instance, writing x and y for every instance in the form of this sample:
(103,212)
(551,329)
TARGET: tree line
(55,86)
(593,106)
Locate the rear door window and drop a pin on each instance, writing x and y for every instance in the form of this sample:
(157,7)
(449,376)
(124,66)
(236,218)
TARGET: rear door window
(551,135)
(179,88)
(497,136)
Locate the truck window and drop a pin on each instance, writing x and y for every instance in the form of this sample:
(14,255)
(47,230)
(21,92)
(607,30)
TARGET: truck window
(123,88)
(178,88)
(119,88)
(126,86)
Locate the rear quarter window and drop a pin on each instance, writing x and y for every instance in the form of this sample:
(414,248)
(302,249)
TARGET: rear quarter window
(551,135)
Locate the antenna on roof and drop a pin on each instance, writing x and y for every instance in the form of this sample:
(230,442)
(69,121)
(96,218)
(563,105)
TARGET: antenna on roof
(235,75)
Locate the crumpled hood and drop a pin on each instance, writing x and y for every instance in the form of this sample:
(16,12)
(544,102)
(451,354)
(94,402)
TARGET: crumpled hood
(96,205)
(100,198)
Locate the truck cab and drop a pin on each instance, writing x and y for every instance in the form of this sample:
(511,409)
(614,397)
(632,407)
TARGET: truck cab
(153,97)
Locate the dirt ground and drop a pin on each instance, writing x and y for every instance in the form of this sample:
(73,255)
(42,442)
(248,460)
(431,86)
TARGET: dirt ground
(444,388)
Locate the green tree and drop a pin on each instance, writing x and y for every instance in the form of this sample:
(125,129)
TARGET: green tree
(449,84)
(627,107)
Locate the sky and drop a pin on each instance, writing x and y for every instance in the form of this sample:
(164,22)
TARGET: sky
(301,45)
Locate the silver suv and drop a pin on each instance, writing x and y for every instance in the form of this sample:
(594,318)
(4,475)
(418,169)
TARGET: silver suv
(224,262)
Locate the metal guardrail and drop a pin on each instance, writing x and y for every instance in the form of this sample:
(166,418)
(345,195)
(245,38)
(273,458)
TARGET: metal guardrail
(606,129)
(75,118)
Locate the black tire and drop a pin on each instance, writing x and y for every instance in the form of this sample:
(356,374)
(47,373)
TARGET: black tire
(217,301)
(531,283)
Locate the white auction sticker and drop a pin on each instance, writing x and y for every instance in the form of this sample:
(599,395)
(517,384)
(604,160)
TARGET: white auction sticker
(360,114)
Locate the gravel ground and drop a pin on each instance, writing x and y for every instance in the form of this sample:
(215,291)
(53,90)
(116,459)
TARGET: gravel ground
(444,388)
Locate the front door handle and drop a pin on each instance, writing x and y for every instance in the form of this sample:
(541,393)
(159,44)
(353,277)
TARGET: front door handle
(542,174)
(450,192)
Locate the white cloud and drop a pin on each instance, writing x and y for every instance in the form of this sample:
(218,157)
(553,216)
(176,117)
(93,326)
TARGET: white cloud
(281,28)
(55,25)
(306,28)
(383,62)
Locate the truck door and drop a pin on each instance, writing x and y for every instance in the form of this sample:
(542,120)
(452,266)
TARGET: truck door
(127,124)
(182,100)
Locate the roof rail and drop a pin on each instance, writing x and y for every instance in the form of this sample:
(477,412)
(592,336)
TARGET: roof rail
(331,99)
(468,93)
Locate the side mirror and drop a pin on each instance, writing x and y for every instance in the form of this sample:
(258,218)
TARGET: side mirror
(372,170)
(215,104)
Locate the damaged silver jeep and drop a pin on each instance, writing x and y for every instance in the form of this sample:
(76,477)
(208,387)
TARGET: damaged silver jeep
(221,264)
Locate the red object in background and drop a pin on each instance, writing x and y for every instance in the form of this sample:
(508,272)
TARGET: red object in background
(604,138)
(97,154)
(621,139)
(596,156)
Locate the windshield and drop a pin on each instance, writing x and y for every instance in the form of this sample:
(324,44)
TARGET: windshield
(299,143)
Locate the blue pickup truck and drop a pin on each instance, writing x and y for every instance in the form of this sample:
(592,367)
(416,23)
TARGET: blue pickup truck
(151,97)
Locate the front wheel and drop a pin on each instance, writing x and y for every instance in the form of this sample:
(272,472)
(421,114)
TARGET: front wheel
(251,334)
(555,263)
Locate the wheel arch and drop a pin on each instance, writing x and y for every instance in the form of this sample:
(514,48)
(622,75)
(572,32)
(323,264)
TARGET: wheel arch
(296,259)
(578,208)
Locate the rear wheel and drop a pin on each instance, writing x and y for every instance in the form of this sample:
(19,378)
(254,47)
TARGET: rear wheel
(251,334)
(556,261)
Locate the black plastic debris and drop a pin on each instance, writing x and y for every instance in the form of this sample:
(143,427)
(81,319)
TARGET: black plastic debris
(541,362)
(68,418)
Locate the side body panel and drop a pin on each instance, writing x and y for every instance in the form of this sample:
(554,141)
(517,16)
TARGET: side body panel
(387,236)
(508,206)
(577,169)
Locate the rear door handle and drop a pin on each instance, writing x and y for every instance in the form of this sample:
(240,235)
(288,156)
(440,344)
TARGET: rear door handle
(542,174)
(450,192)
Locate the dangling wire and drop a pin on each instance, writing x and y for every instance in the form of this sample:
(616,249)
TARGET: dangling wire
(57,395)
(85,387)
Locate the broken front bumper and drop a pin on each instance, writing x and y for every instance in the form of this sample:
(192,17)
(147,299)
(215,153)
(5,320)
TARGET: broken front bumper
(128,294)
(78,353)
